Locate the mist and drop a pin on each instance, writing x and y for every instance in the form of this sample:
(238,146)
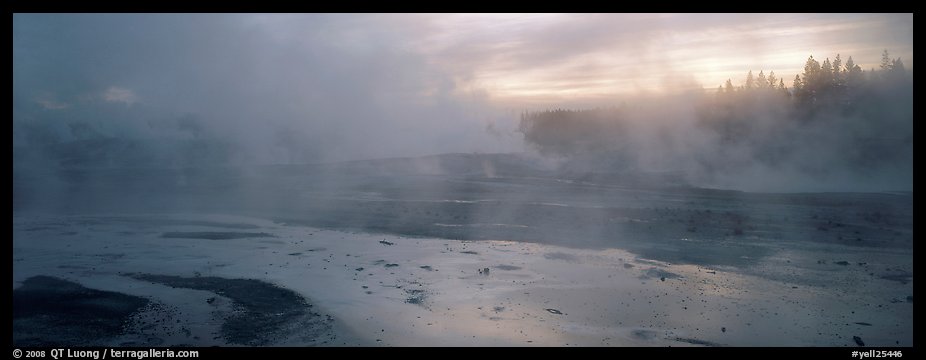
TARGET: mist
(175,91)
(293,180)
(761,139)
(288,89)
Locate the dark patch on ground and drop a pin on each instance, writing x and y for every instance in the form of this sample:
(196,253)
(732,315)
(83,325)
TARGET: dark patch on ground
(863,323)
(902,277)
(696,341)
(213,235)
(644,334)
(469,252)
(561,256)
(858,341)
(266,310)
(508,267)
(39,228)
(178,222)
(659,274)
(49,311)
(416,296)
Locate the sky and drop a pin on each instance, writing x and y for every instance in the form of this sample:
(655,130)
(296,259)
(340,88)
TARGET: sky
(328,87)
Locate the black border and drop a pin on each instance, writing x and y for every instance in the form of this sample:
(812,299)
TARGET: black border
(620,352)
(273,6)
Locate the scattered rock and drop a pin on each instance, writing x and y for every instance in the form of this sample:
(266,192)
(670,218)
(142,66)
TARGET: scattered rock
(554,311)
(658,273)
(391,265)
(723,329)
(210,300)
(384,242)
(863,323)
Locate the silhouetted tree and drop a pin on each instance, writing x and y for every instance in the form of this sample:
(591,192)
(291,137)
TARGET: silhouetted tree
(761,81)
(728,86)
(886,63)
(772,80)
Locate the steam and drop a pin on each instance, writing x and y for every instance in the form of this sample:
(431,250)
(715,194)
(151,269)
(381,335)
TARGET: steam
(119,91)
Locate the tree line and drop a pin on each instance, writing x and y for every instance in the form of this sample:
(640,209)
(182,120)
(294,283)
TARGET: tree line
(834,115)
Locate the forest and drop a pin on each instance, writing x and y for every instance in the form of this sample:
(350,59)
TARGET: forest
(834,118)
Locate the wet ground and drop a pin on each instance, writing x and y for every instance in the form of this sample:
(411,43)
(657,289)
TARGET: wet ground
(362,256)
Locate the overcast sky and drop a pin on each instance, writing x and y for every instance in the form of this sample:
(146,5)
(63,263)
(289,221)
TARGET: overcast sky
(370,85)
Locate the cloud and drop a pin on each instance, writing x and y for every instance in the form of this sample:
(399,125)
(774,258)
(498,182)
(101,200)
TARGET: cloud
(122,95)
(51,104)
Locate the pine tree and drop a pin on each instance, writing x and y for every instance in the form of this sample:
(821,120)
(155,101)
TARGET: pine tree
(772,80)
(750,81)
(885,61)
(826,74)
(897,66)
(761,81)
(854,73)
(811,81)
(838,75)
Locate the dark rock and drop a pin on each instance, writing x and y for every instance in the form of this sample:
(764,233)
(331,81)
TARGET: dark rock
(49,311)
(858,341)
(554,311)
